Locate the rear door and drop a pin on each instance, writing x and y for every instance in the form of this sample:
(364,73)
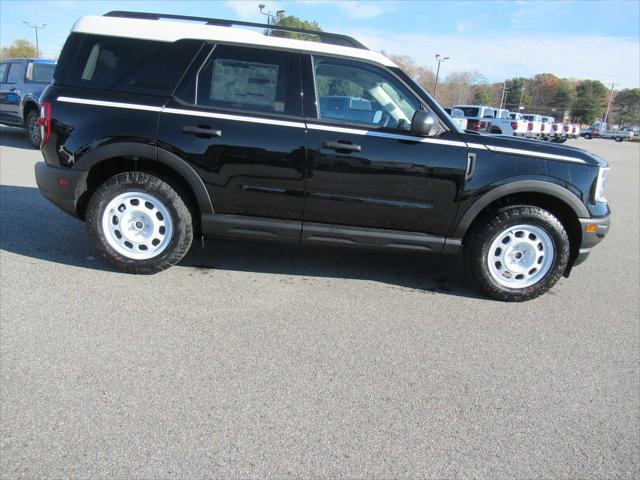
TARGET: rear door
(366,169)
(10,92)
(237,119)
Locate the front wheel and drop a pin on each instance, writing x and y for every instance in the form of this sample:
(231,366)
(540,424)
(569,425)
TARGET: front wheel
(139,223)
(518,254)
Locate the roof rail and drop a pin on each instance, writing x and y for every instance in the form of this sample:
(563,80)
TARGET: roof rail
(325,37)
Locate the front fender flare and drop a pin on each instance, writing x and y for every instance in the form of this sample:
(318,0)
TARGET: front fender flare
(521,186)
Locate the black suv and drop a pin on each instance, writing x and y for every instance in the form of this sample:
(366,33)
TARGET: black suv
(154,132)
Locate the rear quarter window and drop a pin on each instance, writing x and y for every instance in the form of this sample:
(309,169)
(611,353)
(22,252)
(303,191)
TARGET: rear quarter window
(125,65)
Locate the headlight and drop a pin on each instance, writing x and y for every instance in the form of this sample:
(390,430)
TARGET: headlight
(603,173)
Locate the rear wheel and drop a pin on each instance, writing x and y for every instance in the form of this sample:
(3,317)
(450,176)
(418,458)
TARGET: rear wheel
(518,254)
(619,139)
(33,129)
(139,223)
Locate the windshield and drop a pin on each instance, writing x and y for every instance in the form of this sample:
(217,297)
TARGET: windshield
(42,72)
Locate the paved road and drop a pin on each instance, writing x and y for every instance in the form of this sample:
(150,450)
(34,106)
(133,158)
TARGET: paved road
(254,360)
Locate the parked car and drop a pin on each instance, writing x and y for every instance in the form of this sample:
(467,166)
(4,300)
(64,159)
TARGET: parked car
(457,116)
(156,133)
(512,124)
(22,81)
(602,130)
(477,116)
(534,125)
(553,131)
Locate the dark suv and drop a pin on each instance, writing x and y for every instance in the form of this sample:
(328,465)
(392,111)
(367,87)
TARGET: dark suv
(156,131)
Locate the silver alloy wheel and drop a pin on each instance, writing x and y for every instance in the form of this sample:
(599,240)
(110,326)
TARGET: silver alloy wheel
(137,225)
(520,256)
(34,130)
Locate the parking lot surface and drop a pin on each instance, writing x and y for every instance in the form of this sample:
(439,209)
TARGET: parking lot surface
(253,360)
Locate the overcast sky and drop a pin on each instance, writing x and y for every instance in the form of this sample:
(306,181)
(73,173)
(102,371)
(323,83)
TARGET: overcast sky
(501,39)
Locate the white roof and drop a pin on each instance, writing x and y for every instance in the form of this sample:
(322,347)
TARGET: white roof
(171,31)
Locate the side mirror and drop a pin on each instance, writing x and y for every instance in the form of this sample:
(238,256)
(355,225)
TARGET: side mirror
(425,124)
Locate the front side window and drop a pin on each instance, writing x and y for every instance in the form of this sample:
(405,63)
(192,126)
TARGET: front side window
(250,80)
(3,71)
(15,72)
(362,94)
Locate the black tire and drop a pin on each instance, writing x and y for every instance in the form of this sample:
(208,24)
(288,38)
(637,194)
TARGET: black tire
(34,134)
(619,139)
(587,136)
(182,224)
(478,244)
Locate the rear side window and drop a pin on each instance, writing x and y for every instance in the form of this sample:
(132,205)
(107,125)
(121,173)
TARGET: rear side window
(40,72)
(129,65)
(3,71)
(248,80)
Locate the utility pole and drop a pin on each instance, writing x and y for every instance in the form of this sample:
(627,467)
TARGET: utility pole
(275,17)
(36,28)
(504,90)
(609,104)
(439,59)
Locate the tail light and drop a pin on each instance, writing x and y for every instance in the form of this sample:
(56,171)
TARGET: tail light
(566,128)
(530,126)
(477,126)
(555,127)
(542,127)
(45,121)
(514,125)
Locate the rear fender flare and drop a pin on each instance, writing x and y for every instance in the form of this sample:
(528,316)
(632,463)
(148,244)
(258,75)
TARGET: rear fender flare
(151,152)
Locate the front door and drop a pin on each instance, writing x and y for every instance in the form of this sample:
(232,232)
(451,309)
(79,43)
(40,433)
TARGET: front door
(238,122)
(365,168)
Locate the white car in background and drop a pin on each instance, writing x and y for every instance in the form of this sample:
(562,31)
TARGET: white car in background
(477,116)
(552,130)
(508,123)
(534,125)
(457,116)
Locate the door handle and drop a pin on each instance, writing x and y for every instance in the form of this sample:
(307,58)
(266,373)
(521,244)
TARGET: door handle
(342,146)
(202,131)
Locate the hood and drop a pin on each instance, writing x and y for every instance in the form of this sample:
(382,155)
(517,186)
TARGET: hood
(537,148)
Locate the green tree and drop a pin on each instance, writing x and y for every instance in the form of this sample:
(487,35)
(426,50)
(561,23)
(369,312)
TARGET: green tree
(627,106)
(590,101)
(517,94)
(292,21)
(19,49)
(483,96)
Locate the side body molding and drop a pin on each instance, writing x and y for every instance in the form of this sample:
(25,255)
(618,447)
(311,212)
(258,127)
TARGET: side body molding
(133,149)
(522,186)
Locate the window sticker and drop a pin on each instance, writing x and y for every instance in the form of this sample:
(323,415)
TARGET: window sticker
(237,81)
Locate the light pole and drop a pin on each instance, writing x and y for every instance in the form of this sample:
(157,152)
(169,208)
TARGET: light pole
(36,28)
(609,104)
(439,59)
(275,17)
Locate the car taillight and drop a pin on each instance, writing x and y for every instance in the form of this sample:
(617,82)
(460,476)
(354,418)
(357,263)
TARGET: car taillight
(555,128)
(514,125)
(566,128)
(477,126)
(542,127)
(45,121)
(530,126)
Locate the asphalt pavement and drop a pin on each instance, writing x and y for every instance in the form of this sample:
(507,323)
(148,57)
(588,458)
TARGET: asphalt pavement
(256,360)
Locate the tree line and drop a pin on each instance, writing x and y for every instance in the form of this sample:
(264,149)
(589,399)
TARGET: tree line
(565,99)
